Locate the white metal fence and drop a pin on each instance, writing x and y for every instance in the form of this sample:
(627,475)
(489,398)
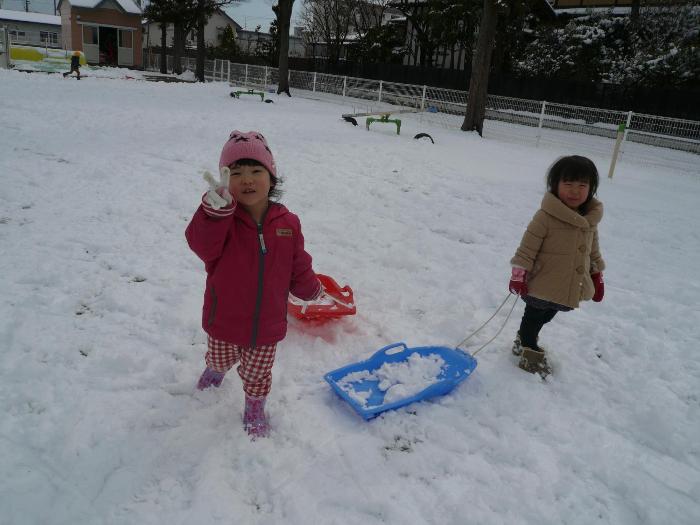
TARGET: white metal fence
(446,107)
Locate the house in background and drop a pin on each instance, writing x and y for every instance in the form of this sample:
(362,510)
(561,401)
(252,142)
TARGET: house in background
(107,31)
(248,41)
(32,29)
(213,30)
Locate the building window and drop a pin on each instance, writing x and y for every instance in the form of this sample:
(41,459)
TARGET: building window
(126,38)
(90,35)
(18,36)
(48,37)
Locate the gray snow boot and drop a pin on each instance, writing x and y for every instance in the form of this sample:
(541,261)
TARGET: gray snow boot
(534,361)
(517,346)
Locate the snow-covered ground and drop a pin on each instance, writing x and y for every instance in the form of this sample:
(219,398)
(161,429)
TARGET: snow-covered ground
(100,342)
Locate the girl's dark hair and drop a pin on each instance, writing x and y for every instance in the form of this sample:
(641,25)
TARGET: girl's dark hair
(573,168)
(275,182)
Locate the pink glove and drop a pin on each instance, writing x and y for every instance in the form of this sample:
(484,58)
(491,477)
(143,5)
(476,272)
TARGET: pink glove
(518,281)
(599,286)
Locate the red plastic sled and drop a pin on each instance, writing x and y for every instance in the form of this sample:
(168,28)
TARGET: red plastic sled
(341,304)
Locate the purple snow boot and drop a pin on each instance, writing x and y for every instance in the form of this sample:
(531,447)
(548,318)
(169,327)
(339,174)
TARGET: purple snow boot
(210,378)
(254,418)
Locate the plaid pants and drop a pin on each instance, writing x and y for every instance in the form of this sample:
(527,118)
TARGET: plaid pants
(255,366)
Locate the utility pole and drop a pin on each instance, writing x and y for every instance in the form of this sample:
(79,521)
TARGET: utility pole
(26,5)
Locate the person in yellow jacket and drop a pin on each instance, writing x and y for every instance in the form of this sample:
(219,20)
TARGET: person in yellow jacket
(558,263)
(74,64)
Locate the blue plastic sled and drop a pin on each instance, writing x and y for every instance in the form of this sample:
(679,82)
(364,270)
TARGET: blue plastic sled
(458,365)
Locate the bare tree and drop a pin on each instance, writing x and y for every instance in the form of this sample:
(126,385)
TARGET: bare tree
(203,11)
(283,11)
(331,21)
(481,66)
(438,29)
(369,15)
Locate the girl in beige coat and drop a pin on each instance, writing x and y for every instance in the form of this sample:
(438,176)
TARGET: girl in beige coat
(558,263)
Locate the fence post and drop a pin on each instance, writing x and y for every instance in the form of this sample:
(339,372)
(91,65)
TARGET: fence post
(345,82)
(627,127)
(539,125)
(422,100)
(246,75)
(616,150)
(381,82)
(265,83)
(314,88)
(228,71)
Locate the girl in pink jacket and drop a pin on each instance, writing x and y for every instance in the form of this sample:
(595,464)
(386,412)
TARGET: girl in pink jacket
(253,252)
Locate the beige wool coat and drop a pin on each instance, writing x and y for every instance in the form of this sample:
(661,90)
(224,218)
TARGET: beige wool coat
(560,251)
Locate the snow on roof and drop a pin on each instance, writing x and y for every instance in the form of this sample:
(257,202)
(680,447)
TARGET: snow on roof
(22,16)
(127,5)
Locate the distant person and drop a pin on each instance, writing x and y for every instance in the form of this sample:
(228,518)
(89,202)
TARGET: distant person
(74,64)
(253,252)
(558,263)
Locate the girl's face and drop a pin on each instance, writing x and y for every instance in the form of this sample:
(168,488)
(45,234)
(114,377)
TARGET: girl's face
(573,193)
(250,186)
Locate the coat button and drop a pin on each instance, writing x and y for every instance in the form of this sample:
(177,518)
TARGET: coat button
(582,248)
(579,269)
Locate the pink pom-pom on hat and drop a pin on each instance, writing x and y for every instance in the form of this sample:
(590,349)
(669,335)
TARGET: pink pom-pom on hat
(250,145)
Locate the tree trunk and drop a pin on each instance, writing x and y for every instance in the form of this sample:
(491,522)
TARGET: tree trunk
(283,10)
(634,15)
(163,50)
(178,47)
(201,48)
(481,65)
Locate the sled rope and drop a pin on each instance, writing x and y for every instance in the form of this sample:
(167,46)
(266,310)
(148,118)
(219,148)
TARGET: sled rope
(488,321)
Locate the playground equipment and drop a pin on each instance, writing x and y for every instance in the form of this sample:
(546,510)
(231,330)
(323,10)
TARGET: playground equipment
(338,302)
(383,117)
(239,92)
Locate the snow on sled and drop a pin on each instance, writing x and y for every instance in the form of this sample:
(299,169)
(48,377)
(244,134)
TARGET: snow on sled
(396,376)
(336,302)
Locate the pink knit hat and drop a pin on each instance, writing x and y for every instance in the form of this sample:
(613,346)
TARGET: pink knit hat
(250,145)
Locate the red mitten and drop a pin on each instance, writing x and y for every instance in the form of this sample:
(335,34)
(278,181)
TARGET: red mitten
(518,281)
(599,286)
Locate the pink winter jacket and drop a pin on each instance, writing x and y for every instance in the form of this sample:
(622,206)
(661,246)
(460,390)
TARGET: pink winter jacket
(250,271)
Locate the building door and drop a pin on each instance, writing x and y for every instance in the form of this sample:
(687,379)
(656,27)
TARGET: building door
(91,44)
(108,45)
(126,47)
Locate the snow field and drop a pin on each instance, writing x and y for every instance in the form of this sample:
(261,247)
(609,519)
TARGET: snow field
(101,342)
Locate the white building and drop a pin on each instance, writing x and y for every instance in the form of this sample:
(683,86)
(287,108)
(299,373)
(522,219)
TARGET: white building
(248,41)
(35,29)
(213,30)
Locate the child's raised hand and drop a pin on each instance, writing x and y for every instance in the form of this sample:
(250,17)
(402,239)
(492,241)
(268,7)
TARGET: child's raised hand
(518,281)
(218,195)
